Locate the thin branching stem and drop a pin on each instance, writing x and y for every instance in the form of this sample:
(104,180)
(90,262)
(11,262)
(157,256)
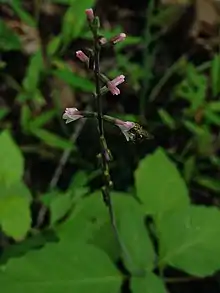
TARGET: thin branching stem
(104,150)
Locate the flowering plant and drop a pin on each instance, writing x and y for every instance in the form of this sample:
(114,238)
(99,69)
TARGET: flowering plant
(132,131)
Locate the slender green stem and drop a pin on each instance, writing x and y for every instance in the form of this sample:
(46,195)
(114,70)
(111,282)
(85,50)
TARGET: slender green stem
(104,150)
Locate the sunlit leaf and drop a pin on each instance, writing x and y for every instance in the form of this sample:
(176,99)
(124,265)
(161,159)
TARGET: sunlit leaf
(148,284)
(61,267)
(189,240)
(12,161)
(159,184)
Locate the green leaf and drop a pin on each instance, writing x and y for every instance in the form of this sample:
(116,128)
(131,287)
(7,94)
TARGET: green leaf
(159,184)
(76,81)
(61,267)
(105,239)
(212,117)
(32,76)
(210,183)
(215,75)
(42,119)
(59,206)
(214,106)
(15,215)
(148,284)
(74,20)
(54,46)
(3,112)
(189,240)
(204,142)
(134,234)
(21,13)
(194,128)
(90,215)
(167,119)
(12,161)
(25,117)
(189,168)
(52,139)
(8,39)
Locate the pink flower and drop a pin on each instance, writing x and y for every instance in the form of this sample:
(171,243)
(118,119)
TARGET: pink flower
(90,14)
(125,127)
(118,38)
(71,114)
(112,85)
(82,56)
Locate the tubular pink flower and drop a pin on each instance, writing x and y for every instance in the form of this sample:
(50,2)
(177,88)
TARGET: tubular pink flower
(82,56)
(90,14)
(112,85)
(71,114)
(125,127)
(118,38)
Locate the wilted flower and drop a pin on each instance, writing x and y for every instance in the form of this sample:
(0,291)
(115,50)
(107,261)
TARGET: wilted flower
(82,56)
(112,85)
(125,128)
(90,14)
(71,114)
(118,38)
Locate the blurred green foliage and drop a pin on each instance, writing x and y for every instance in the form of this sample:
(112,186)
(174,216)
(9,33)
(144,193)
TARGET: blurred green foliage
(82,256)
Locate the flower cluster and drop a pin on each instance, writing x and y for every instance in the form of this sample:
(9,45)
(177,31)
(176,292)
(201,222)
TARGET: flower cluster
(130,130)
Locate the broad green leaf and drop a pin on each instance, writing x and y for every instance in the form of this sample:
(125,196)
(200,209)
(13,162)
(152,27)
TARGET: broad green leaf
(12,161)
(148,284)
(159,184)
(61,267)
(59,207)
(139,255)
(52,139)
(80,179)
(15,215)
(89,218)
(215,75)
(78,185)
(190,240)
(22,13)
(208,182)
(8,39)
(104,238)
(74,80)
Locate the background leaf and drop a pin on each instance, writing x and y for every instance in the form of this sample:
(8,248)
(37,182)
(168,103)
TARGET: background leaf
(8,39)
(215,74)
